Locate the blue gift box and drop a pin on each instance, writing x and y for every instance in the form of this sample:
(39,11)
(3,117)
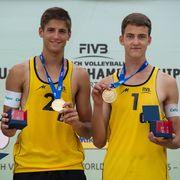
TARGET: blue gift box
(160,128)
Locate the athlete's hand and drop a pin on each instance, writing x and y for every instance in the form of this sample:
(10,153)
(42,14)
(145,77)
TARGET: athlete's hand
(70,115)
(97,92)
(4,127)
(168,143)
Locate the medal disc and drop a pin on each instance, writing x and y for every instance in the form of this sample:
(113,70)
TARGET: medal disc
(57,104)
(109,96)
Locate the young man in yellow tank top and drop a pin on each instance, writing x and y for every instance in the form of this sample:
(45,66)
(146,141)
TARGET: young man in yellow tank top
(134,153)
(49,147)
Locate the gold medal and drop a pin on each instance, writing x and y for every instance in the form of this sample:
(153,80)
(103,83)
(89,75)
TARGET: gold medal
(109,96)
(57,104)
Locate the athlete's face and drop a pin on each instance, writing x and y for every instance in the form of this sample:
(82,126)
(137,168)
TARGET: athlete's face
(55,35)
(135,41)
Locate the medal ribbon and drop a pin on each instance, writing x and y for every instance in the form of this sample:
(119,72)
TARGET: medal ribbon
(122,78)
(56,92)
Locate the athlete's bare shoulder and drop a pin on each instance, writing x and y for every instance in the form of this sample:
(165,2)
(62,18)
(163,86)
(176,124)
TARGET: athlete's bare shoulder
(19,69)
(165,79)
(80,73)
(17,76)
(167,88)
(80,79)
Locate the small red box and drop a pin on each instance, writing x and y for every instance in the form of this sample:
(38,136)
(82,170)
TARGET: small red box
(162,128)
(17,119)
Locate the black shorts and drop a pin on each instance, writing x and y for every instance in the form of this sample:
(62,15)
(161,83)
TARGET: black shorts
(51,175)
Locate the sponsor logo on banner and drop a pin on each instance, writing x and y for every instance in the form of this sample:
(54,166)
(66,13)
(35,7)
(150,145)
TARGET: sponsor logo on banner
(87,143)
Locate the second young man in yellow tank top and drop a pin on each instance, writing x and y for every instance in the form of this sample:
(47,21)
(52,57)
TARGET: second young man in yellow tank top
(134,153)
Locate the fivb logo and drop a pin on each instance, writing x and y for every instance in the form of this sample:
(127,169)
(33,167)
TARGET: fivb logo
(3,143)
(93,48)
(93,57)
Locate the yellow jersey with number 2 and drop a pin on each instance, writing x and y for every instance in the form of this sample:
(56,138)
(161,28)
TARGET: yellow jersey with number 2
(47,144)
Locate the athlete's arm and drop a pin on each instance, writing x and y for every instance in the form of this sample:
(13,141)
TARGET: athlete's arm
(14,83)
(80,116)
(101,114)
(171,97)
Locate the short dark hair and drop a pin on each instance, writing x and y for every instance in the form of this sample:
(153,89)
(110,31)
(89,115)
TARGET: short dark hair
(55,13)
(136,19)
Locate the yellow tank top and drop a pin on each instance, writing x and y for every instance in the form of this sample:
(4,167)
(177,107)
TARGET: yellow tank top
(130,155)
(47,144)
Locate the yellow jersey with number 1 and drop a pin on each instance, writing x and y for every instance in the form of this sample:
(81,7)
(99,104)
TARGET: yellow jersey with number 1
(130,154)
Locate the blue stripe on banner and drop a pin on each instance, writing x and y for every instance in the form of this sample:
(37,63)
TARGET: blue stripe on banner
(2,155)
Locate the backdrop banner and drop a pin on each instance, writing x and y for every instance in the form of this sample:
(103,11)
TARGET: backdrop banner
(95,46)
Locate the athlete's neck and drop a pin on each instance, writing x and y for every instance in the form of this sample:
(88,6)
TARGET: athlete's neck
(132,65)
(53,59)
